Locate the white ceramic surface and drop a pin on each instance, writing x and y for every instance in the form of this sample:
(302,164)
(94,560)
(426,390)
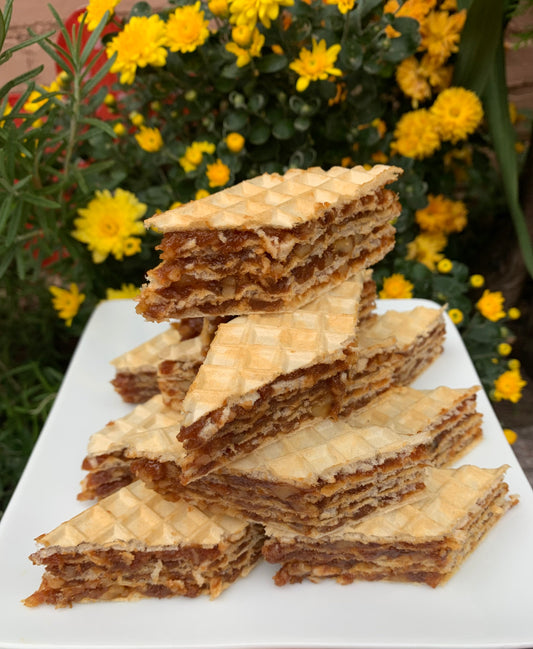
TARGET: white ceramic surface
(487,604)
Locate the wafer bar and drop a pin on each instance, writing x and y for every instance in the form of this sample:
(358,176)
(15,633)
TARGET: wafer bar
(326,472)
(265,373)
(423,541)
(270,244)
(136,544)
(107,468)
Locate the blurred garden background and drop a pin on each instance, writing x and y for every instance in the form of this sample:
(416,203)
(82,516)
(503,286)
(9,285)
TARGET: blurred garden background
(113,110)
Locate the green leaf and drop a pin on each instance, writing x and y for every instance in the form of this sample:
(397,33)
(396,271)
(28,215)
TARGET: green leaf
(503,138)
(272,63)
(283,129)
(256,102)
(36,38)
(259,133)
(487,78)
(480,37)
(235,120)
(302,123)
(40,201)
(3,29)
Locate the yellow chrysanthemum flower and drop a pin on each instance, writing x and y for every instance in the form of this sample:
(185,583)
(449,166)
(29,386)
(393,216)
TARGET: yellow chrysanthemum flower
(508,386)
(201,193)
(412,80)
(514,313)
(218,173)
(242,35)
(456,316)
(126,291)
(67,302)
(194,154)
(427,249)
(219,8)
(438,75)
(514,364)
(136,118)
(141,43)
(417,9)
(235,142)
(440,32)
(315,64)
(396,287)
(119,129)
(249,12)
(416,135)
(344,6)
(490,305)
(149,139)
(110,224)
(187,28)
(95,12)
(444,266)
(477,281)
(442,214)
(510,435)
(504,349)
(458,112)
(244,56)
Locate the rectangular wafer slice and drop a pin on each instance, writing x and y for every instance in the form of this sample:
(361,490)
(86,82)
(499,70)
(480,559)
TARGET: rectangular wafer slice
(270,244)
(326,472)
(107,468)
(264,373)
(424,541)
(134,543)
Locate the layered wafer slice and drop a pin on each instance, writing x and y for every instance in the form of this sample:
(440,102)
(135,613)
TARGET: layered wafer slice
(107,468)
(394,349)
(270,244)
(136,544)
(265,373)
(180,363)
(326,472)
(136,370)
(166,363)
(423,541)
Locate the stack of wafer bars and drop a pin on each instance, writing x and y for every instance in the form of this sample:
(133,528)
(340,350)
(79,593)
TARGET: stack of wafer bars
(274,417)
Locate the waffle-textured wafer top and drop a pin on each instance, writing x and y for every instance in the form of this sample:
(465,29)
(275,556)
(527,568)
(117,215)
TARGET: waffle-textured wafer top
(409,411)
(149,353)
(320,449)
(403,326)
(113,437)
(451,496)
(251,351)
(136,517)
(274,200)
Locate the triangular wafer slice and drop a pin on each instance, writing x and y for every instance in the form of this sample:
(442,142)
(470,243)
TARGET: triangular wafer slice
(107,468)
(423,541)
(264,373)
(136,544)
(270,244)
(394,349)
(136,369)
(326,472)
(166,363)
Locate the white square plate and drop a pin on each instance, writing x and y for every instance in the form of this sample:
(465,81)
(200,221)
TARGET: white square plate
(488,603)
